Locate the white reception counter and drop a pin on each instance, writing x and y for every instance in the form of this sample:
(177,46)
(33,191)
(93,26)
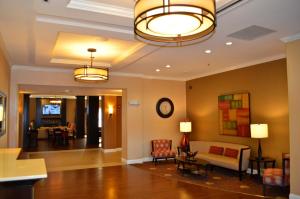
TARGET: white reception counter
(17,177)
(12,169)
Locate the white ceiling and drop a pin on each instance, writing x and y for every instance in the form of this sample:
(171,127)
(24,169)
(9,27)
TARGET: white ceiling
(29,31)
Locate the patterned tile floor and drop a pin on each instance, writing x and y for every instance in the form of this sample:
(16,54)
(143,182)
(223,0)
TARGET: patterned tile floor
(218,178)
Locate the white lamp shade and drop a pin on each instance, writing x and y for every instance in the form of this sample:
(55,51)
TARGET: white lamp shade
(185,127)
(1,113)
(170,21)
(91,74)
(259,130)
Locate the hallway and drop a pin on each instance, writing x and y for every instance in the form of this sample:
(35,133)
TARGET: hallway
(73,144)
(76,159)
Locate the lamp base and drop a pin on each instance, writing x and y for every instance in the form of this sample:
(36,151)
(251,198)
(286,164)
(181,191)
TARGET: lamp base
(184,143)
(259,152)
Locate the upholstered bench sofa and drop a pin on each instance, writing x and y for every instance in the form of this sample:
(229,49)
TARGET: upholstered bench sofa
(43,133)
(226,155)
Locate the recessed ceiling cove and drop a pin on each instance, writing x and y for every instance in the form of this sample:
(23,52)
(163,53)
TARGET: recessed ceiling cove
(72,48)
(43,35)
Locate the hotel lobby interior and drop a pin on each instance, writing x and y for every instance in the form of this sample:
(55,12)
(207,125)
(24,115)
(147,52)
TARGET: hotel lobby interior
(149,99)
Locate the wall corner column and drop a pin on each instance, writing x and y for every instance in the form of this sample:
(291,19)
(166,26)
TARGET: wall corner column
(293,73)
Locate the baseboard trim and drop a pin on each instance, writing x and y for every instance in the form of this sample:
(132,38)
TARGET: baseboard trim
(140,161)
(111,150)
(294,196)
(148,159)
(134,161)
(137,161)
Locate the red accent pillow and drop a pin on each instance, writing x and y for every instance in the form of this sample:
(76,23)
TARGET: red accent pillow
(216,150)
(233,153)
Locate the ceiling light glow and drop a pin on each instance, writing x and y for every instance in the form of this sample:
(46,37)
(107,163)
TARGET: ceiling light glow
(173,22)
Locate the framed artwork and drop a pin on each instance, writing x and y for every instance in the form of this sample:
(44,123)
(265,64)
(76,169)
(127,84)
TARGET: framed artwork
(234,114)
(2,114)
(165,107)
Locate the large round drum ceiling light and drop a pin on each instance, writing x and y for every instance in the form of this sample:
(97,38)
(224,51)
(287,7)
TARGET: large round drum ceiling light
(174,21)
(90,73)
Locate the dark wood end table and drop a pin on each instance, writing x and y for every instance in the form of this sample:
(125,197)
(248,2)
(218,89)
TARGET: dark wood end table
(193,166)
(266,161)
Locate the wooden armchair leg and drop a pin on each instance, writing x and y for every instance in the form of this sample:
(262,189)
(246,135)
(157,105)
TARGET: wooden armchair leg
(240,175)
(264,190)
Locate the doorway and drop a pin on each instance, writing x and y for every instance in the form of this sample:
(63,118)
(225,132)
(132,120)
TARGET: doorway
(55,122)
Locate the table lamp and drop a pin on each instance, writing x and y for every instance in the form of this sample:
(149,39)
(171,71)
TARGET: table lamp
(185,128)
(259,131)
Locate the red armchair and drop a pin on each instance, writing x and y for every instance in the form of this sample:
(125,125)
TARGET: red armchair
(277,176)
(162,149)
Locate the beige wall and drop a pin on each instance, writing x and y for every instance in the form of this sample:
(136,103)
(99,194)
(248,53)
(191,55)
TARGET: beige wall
(4,87)
(293,68)
(138,126)
(154,126)
(267,85)
(71,109)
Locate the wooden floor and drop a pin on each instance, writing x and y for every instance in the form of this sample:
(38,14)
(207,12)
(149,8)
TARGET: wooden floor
(47,145)
(122,182)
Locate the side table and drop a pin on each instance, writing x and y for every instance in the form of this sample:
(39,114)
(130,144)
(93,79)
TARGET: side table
(180,150)
(258,162)
(192,166)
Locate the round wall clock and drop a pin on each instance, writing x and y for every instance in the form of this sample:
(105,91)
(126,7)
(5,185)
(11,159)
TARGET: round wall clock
(165,107)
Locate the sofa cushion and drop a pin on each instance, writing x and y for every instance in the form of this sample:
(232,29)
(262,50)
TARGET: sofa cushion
(163,153)
(232,153)
(218,160)
(216,150)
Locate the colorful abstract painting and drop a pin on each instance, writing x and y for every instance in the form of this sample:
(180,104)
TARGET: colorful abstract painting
(234,114)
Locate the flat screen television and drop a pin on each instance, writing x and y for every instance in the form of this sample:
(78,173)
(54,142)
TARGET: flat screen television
(51,109)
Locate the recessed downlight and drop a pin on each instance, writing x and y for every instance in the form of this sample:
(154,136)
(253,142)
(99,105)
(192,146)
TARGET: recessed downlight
(168,66)
(228,43)
(157,70)
(207,51)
